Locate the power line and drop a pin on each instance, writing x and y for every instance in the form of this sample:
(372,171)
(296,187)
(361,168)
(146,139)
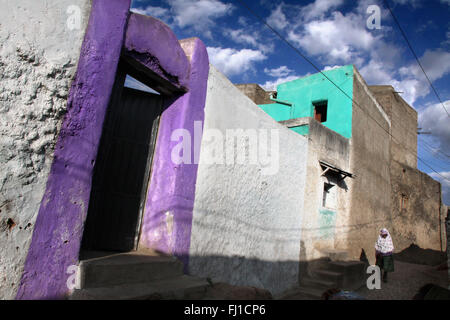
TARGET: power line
(415,56)
(432,151)
(320,71)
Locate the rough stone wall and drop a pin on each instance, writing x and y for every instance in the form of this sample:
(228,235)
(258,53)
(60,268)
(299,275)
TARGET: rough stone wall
(329,146)
(446,210)
(257,94)
(38,59)
(246,225)
(370,161)
(403,124)
(419,219)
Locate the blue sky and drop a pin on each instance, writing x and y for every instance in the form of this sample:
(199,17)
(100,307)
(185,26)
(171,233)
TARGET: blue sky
(330,33)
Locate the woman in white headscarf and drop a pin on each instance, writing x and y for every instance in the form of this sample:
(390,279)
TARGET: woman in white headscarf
(384,248)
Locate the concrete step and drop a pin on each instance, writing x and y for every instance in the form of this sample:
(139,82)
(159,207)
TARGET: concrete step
(127,268)
(354,273)
(331,276)
(181,287)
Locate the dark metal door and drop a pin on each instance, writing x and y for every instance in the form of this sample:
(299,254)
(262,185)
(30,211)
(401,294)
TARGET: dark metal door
(122,170)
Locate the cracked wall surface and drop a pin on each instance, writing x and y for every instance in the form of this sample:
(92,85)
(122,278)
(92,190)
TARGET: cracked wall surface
(41,43)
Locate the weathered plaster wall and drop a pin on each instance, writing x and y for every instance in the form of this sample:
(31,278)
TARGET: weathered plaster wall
(420,220)
(38,58)
(184,64)
(403,124)
(370,161)
(59,225)
(319,224)
(246,225)
(152,49)
(168,211)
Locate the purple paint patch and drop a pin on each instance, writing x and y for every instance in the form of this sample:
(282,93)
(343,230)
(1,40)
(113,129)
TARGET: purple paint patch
(151,43)
(58,229)
(59,226)
(167,219)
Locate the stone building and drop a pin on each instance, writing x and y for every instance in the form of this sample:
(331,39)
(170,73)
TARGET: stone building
(257,94)
(218,186)
(447,225)
(367,137)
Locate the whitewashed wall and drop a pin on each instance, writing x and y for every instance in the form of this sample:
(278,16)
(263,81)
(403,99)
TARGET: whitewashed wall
(40,47)
(246,224)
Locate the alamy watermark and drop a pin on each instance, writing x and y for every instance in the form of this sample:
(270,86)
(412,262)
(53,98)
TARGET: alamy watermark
(374,20)
(74,17)
(259,147)
(374,280)
(72,280)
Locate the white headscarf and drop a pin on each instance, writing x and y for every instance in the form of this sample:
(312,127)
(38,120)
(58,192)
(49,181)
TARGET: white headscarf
(384,245)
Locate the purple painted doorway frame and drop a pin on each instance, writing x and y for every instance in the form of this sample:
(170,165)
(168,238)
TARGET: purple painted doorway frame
(60,222)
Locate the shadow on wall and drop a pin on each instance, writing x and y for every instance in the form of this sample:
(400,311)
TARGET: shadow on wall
(417,255)
(241,271)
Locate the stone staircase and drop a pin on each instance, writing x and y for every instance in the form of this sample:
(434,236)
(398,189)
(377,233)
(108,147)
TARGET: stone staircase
(333,271)
(137,275)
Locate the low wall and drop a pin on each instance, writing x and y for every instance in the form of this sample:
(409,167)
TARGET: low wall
(247,217)
(416,209)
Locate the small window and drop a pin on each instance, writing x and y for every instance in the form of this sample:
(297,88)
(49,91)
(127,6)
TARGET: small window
(320,110)
(329,196)
(404,202)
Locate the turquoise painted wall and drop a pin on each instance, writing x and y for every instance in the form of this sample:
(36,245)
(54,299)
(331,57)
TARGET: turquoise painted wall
(278,111)
(303,130)
(304,91)
(327,223)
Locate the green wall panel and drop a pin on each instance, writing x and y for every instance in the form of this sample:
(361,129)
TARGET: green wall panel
(304,91)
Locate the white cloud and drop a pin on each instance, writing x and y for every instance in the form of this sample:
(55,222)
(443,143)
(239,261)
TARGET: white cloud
(410,79)
(284,74)
(434,119)
(243,21)
(336,39)
(444,179)
(376,72)
(331,67)
(446,42)
(319,7)
(231,61)
(272,85)
(277,19)
(282,71)
(249,38)
(436,64)
(198,14)
(157,12)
